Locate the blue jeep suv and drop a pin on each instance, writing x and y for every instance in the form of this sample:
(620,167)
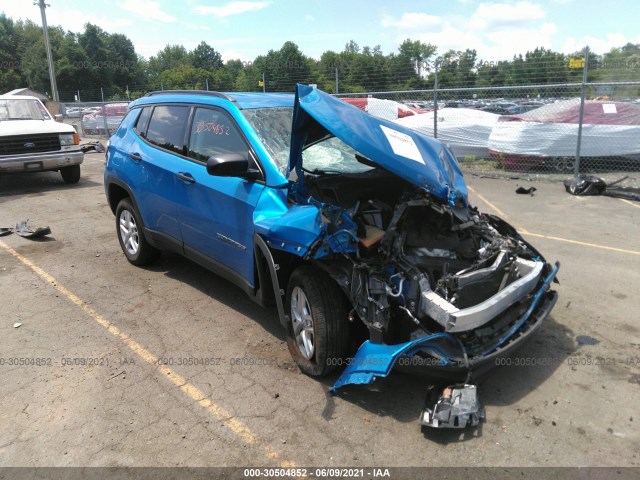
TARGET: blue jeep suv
(358,230)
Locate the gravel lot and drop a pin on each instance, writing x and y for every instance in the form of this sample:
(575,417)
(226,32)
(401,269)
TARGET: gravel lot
(173,366)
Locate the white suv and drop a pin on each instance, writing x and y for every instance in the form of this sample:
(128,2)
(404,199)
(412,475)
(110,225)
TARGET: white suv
(32,141)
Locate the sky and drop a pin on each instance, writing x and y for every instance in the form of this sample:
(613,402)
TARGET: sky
(248,28)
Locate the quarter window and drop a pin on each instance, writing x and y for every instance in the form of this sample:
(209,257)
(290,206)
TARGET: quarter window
(143,121)
(167,126)
(213,133)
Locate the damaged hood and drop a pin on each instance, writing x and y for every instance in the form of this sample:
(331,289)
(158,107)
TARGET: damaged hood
(422,161)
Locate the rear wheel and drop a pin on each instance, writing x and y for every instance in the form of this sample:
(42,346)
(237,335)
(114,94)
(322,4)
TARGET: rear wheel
(318,331)
(70,174)
(132,241)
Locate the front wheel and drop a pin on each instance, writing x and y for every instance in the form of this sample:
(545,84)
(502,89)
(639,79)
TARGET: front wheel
(70,174)
(131,236)
(318,330)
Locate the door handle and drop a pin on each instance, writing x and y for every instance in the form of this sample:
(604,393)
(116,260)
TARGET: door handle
(185,177)
(135,156)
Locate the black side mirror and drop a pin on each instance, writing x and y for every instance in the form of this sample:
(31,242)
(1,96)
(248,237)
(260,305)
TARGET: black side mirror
(231,165)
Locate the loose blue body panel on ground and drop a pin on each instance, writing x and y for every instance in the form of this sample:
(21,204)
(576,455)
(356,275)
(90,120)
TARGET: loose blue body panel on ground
(373,360)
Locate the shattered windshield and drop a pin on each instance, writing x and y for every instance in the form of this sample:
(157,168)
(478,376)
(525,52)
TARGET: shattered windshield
(22,109)
(273,126)
(330,155)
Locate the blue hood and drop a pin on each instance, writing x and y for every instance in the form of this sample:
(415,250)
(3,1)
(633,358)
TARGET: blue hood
(418,159)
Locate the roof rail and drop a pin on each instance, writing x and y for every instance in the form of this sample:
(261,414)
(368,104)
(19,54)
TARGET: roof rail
(191,92)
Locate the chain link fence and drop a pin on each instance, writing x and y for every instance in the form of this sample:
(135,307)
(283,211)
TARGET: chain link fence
(525,131)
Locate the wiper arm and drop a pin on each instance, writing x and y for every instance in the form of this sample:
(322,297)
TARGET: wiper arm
(317,171)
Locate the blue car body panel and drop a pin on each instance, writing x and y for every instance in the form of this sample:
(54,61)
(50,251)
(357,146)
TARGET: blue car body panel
(412,156)
(376,360)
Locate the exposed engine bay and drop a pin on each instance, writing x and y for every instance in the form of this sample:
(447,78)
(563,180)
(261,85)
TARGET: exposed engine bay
(415,267)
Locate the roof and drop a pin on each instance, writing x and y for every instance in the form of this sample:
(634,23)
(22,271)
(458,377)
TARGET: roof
(27,92)
(243,100)
(7,96)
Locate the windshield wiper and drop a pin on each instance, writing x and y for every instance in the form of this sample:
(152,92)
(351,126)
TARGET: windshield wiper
(317,171)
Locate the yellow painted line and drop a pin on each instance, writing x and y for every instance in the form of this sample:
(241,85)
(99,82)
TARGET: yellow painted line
(629,202)
(577,242)
(559,239)
(498,211)
(191,391)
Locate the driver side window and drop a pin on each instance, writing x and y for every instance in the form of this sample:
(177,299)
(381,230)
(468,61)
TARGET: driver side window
(213,133)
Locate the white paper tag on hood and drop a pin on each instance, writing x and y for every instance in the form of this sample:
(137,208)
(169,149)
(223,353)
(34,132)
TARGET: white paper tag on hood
(402,144)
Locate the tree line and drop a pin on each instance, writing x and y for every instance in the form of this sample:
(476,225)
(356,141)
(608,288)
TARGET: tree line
(101,64)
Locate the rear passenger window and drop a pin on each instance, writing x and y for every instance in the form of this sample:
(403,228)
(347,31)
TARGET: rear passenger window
(167,126)
(143,121)
(214,133)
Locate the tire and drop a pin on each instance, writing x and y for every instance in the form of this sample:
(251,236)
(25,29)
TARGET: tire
(131,236)
(315,297)
(70,174)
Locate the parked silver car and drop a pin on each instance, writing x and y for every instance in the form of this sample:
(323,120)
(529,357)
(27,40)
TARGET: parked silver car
(105,121)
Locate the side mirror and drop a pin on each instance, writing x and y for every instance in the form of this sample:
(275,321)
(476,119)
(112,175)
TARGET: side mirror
(58,117)
(231,165)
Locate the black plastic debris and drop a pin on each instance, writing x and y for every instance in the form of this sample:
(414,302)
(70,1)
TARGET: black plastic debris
(5,231)
(457,407)
(586,340)
(583,185)
(526,191)
(25,230)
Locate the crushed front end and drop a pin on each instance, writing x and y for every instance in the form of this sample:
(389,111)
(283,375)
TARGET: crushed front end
(440,287)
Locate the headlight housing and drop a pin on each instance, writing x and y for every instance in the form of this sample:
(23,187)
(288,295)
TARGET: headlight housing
(67,139)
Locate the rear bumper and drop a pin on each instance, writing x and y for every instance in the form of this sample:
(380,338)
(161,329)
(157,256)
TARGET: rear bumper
(40,162)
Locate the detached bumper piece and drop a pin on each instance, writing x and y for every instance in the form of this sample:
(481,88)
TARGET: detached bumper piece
(457,407)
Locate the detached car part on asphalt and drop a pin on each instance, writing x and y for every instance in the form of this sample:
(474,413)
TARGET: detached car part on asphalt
(358,230)
(32,141)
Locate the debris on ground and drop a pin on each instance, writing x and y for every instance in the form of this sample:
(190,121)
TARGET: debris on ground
(584,185)
(25,230)
(17,325)
(93,147)
(457,407)
(526,191)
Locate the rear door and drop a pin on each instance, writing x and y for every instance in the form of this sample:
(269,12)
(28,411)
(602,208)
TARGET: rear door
(156,154)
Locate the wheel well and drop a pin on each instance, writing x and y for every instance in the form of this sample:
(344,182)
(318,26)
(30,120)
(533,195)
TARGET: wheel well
(116,193)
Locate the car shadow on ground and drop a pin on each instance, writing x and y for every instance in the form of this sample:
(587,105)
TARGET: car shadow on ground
(185,271)
(37,183)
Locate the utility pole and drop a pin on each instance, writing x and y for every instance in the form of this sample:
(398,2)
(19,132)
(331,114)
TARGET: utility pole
(435,102)
(45,29)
